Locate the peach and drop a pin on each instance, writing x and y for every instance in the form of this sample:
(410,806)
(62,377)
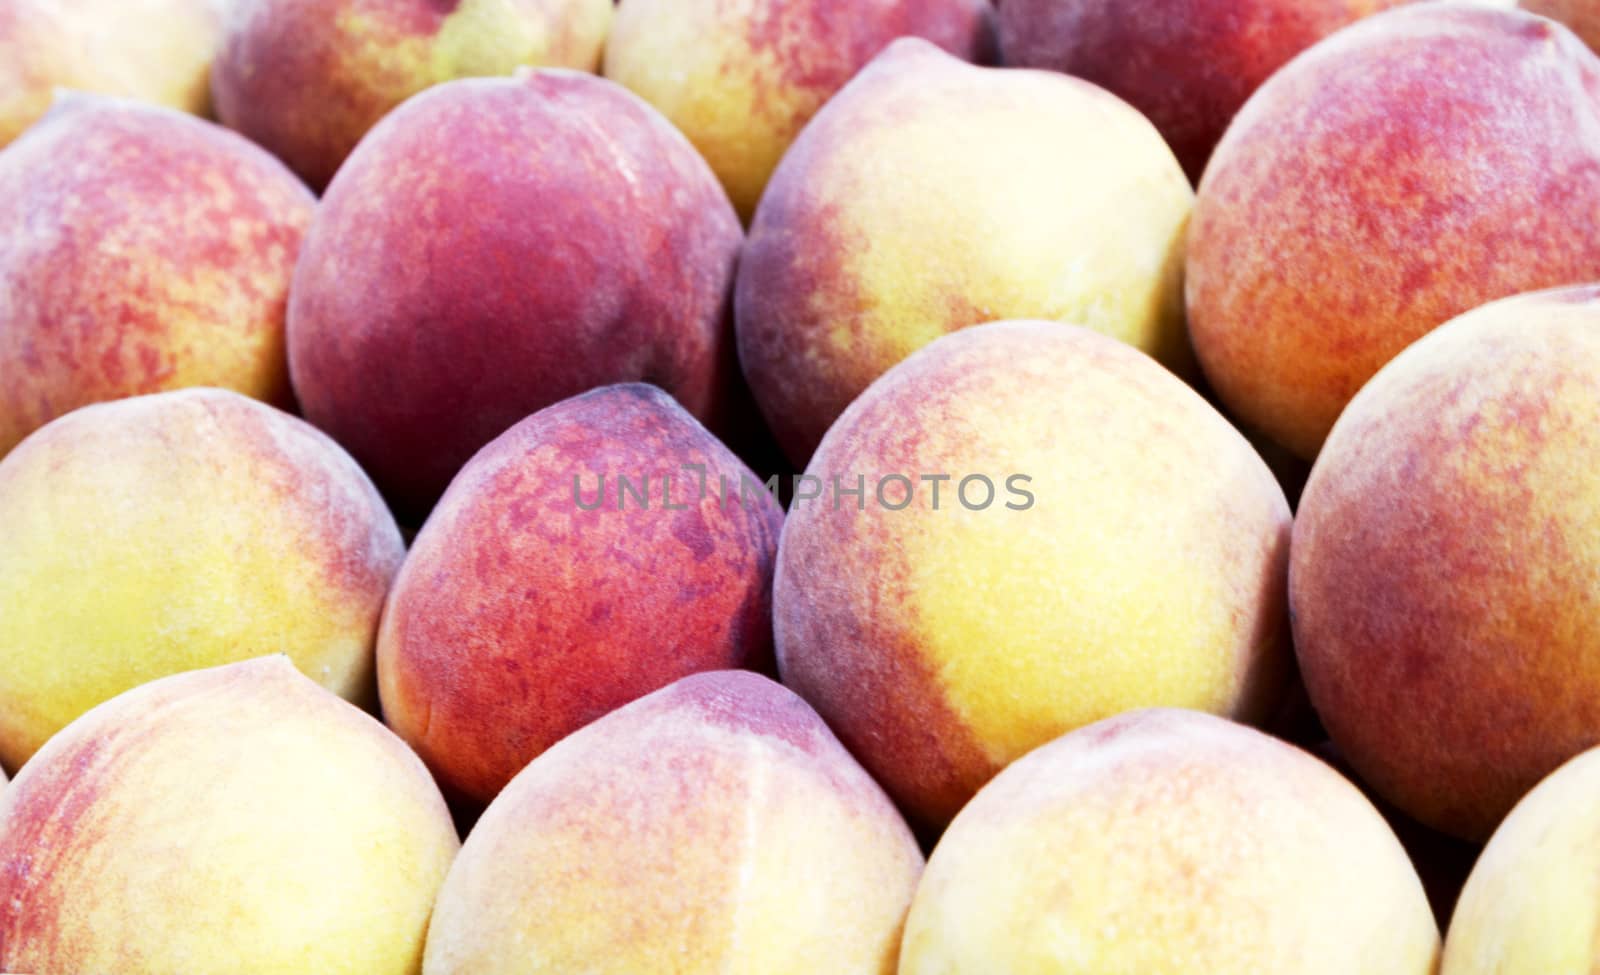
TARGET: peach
(157,51)
(1410,168)
(1051,529)
(496,246)
(713,826)
(1530,904)
(1166,841)
(236,820)
(1188,65)
(1443,560)
(883,230)
(1583,16)
(741,79)
(308,78)
(598,550)
(143,250)
(175,531)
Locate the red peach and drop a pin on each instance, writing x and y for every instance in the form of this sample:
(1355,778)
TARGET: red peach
(236,820)
(542,593)
(1411,167)
(141,250)
(1444,563)
(495,246)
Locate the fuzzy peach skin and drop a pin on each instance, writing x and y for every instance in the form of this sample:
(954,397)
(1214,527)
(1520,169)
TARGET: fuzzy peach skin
(157,51)
(308,78)
(496,246)
(541,594)
(142,250)
(233,821)
(176,531)
(1531,904)
(1411,167)
(714,826)
(1444,562)
(1168,841)
(1147,569)
(1188,65)
(741,78)
(881,231)
(1583,16)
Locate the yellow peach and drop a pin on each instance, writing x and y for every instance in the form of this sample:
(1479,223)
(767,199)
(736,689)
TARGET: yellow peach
(931,195)
(1169,841)
(176,531)
(713,826)
(1101,539)
(232,821)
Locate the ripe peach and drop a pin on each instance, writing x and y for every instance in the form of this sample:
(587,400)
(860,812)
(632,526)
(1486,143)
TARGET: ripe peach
(1405,170)
(1166,841)
(1102,540)
(236,820)
(741,79)
(308,78)
(882,230)
(1443,558)
(180,530)
(496,246)
(142,250)
(713,826)
(596,551)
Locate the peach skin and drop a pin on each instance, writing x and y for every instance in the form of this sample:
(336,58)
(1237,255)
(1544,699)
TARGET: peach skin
(1444,614)
(495,246)
(585,558)
(1052,529)
(883,229)
(239,820)
(1169,842)
(176,531)
(143,250)
(714,826)
(1399,173)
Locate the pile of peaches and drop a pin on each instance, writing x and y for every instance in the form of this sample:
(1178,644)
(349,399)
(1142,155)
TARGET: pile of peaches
(799,487)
